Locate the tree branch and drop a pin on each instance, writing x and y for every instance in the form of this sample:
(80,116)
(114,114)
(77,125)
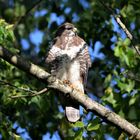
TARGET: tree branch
(34,93)
(121,24)
(31,95)
(83,99)
(129,35)
(130,75)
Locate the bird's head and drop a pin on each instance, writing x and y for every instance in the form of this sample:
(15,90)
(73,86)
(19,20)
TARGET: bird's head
(67,29)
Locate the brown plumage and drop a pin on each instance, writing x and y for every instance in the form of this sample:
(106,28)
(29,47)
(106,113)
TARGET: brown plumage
(69,60)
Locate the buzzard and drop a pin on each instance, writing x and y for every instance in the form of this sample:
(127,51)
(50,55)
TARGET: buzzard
(69,61)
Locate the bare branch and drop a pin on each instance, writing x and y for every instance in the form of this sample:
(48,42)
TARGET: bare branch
(83,99)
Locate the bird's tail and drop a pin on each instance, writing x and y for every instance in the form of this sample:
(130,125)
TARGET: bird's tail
(72,113)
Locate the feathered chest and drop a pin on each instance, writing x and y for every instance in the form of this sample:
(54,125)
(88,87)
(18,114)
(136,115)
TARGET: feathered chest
(68,71)
(64,61)
(66,65)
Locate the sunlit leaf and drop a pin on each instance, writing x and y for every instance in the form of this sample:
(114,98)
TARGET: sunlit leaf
(127,42)
(78,135)
(78,124)
(126,86)
(93,125)
(132,100)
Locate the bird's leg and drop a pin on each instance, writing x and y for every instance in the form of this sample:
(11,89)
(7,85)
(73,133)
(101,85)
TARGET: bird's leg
(67,82)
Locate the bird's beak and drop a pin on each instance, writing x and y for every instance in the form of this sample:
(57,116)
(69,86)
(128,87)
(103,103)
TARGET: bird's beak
(75,30)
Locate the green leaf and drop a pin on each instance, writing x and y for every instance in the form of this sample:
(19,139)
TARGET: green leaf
(92,127)
(132,101)
(109,97)
(117,51)
(127,42)
(6,32)
(107,80)
(15,136)
(79,124)
(126,59)
(121,113)
(126,86)
(123,12)
(36,100)
(132,114)
(78,135)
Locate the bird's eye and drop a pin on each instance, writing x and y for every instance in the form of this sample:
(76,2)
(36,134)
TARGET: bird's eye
(69,28)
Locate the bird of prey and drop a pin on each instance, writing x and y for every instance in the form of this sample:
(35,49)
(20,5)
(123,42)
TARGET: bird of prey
(69,61)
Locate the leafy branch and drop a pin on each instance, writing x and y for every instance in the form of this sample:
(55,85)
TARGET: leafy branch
(33,93)
(83,99)
(130,75)
(122,25)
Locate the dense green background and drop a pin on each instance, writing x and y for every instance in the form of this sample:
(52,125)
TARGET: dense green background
(113,78)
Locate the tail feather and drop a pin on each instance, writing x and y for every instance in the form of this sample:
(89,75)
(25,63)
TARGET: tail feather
(72,113)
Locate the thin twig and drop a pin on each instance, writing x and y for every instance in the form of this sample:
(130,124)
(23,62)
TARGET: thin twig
(118,20)
(129,35)
(18,88)
(31,95)
(34,93)
(35,5)
(121,24)
(129,76)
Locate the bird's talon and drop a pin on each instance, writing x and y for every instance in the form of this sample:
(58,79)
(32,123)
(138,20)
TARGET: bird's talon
(67,82)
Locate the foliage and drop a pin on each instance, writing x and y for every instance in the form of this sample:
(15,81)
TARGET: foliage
(6,33)
(113,78)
